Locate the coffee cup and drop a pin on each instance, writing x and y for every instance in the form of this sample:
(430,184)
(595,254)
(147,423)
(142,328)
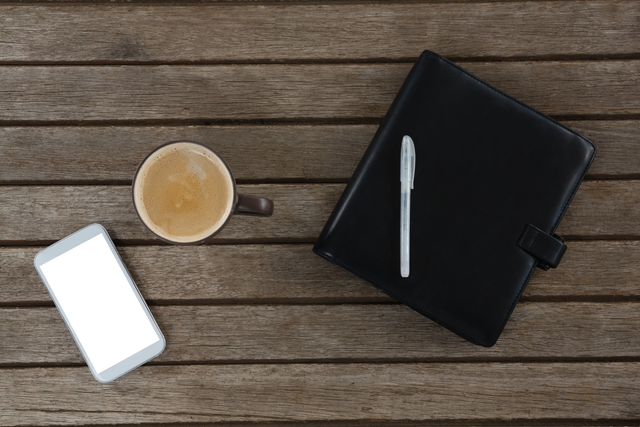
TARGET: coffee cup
(185,193)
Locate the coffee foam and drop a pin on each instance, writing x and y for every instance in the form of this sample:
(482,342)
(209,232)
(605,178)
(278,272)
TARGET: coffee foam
(183,192)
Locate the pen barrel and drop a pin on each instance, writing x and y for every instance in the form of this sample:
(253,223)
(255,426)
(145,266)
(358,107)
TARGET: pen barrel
(405,222)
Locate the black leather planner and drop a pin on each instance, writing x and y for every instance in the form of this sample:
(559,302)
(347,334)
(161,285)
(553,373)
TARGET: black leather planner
(493,178)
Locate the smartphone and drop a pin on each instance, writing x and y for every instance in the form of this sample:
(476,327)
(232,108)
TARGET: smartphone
(99,302)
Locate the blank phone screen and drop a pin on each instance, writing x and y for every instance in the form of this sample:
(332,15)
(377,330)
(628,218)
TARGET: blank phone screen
(99,303)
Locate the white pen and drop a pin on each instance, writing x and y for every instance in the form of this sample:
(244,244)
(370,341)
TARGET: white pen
(407,173)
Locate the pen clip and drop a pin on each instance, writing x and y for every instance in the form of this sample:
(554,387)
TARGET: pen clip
(409,150)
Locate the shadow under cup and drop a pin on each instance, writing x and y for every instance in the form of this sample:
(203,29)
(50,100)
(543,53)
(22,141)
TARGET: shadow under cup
(185,193)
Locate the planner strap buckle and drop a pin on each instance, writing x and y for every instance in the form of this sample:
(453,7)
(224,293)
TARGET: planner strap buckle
(548,249)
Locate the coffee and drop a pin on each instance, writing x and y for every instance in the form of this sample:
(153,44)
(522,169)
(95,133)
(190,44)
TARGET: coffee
(183,192)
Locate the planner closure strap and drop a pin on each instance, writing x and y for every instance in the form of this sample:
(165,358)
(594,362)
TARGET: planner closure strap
(548,249)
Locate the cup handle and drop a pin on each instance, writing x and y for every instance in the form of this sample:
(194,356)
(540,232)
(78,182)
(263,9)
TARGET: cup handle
(253,205)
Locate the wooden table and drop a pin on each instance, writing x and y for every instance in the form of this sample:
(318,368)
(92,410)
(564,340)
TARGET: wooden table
(258,328)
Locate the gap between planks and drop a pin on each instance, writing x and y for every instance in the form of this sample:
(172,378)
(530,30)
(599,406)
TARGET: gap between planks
(245,2)
(373,423)
(322,61)
(360,361)
(271,121)
(389,423)
(382,300)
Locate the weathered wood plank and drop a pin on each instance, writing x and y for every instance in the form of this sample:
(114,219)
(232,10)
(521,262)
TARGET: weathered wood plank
(88,154)
(603,208)
(370,423)
(591,269)
(293,274)
(324,91)
(618,145)
(82,153)
(154,394)
(37,213)
(209,273)
(317,32)
(340,332)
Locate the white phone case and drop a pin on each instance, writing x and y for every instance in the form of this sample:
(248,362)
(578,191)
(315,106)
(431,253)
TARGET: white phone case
(70,244)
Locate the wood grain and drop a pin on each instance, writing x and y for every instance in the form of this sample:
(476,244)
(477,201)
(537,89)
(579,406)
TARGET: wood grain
(293,274)
(41,213)
(112,153)
(198,33)
(154,394)
(95,154)
(265,331)
(37,94)
(618,144)
(224,334)
(604,208)
(230,2)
